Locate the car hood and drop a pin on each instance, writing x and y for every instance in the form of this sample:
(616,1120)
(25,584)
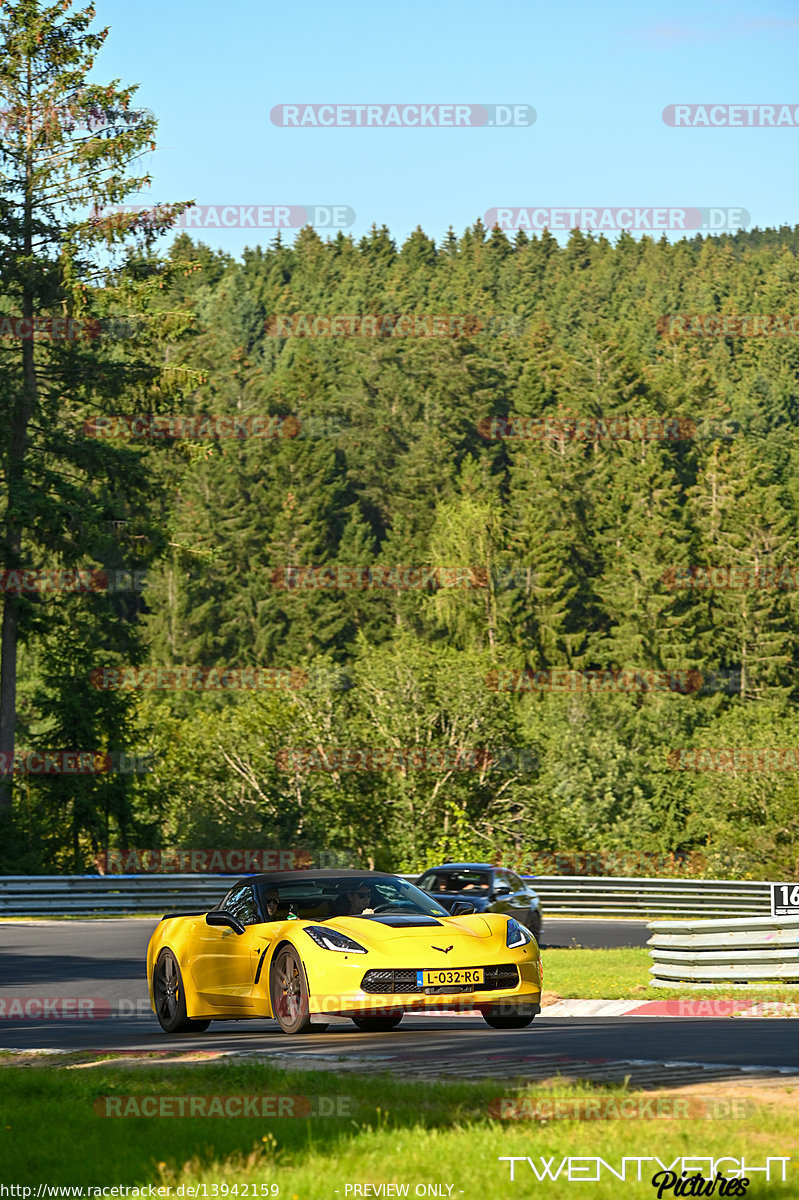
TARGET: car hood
(423,928)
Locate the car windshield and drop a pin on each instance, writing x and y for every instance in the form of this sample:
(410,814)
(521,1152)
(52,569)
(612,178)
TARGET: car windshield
(463,880)
(321,898)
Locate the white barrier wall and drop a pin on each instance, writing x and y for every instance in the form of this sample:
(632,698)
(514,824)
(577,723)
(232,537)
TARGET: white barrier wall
(739,950)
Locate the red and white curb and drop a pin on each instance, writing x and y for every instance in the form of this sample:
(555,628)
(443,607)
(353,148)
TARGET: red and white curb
(642,1008)
(671,1008)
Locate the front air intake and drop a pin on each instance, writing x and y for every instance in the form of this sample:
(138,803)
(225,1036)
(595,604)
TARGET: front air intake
(404,980)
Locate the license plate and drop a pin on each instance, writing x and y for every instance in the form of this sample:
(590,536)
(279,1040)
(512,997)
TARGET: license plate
(457,978)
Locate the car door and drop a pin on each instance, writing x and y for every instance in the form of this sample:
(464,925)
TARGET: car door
(221,960)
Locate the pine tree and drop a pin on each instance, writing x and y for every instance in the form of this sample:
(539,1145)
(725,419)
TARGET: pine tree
(52,167)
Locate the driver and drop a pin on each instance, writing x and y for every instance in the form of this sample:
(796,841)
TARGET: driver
(360,900)
(271,901)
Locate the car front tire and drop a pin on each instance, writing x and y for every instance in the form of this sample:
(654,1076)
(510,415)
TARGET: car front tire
(169,995)
(289,992)
(505,1017)
(378,1024)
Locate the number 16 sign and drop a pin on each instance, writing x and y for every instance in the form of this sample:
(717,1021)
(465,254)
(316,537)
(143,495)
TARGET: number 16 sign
(785,899)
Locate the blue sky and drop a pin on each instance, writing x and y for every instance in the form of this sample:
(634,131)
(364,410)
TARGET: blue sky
(598,76)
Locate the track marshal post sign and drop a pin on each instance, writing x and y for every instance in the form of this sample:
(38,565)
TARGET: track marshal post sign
(785,899)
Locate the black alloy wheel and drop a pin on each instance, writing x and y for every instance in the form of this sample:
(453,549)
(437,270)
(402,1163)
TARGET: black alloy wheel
(170,997)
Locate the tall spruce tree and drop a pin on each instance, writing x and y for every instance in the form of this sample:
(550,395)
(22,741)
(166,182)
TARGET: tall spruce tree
(65,156)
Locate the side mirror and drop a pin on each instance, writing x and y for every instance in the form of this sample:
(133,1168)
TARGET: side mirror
(461,907)
(219,917)
(501,889)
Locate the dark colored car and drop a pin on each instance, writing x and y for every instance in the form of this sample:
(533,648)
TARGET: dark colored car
(489,889)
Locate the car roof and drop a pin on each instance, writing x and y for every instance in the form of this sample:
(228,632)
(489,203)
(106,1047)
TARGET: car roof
(278,877)
(465,866)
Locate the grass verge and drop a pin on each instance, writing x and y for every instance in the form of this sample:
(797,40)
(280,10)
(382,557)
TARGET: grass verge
(387,1131)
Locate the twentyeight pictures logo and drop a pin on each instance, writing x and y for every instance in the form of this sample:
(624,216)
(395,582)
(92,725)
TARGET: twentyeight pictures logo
(402,116)
(586,1169)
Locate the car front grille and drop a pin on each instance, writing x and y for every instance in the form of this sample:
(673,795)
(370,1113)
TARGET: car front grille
(403,980)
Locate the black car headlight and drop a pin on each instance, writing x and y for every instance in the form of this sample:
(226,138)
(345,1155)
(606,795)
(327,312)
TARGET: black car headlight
(331,939)
(517,935)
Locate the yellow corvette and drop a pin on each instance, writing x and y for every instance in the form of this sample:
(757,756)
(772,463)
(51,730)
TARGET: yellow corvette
(303,945)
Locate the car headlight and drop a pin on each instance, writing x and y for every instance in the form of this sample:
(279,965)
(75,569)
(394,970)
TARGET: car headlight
(331,939)
(517,935)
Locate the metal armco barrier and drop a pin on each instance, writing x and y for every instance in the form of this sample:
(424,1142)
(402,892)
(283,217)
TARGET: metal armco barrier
(107,895)
(742,950)
(578,895)
(564,895)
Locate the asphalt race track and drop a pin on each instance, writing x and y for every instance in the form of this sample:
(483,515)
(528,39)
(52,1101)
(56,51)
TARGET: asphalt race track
(104,960)
(594,934)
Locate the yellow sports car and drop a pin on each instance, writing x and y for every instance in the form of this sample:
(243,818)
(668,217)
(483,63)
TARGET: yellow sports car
(300,946)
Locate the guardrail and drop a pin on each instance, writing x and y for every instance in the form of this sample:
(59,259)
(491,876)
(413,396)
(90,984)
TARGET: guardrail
(578,895)
(564,895)
(83,895)
(743,950)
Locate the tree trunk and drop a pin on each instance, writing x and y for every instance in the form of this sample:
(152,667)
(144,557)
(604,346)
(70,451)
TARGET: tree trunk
(12,548)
